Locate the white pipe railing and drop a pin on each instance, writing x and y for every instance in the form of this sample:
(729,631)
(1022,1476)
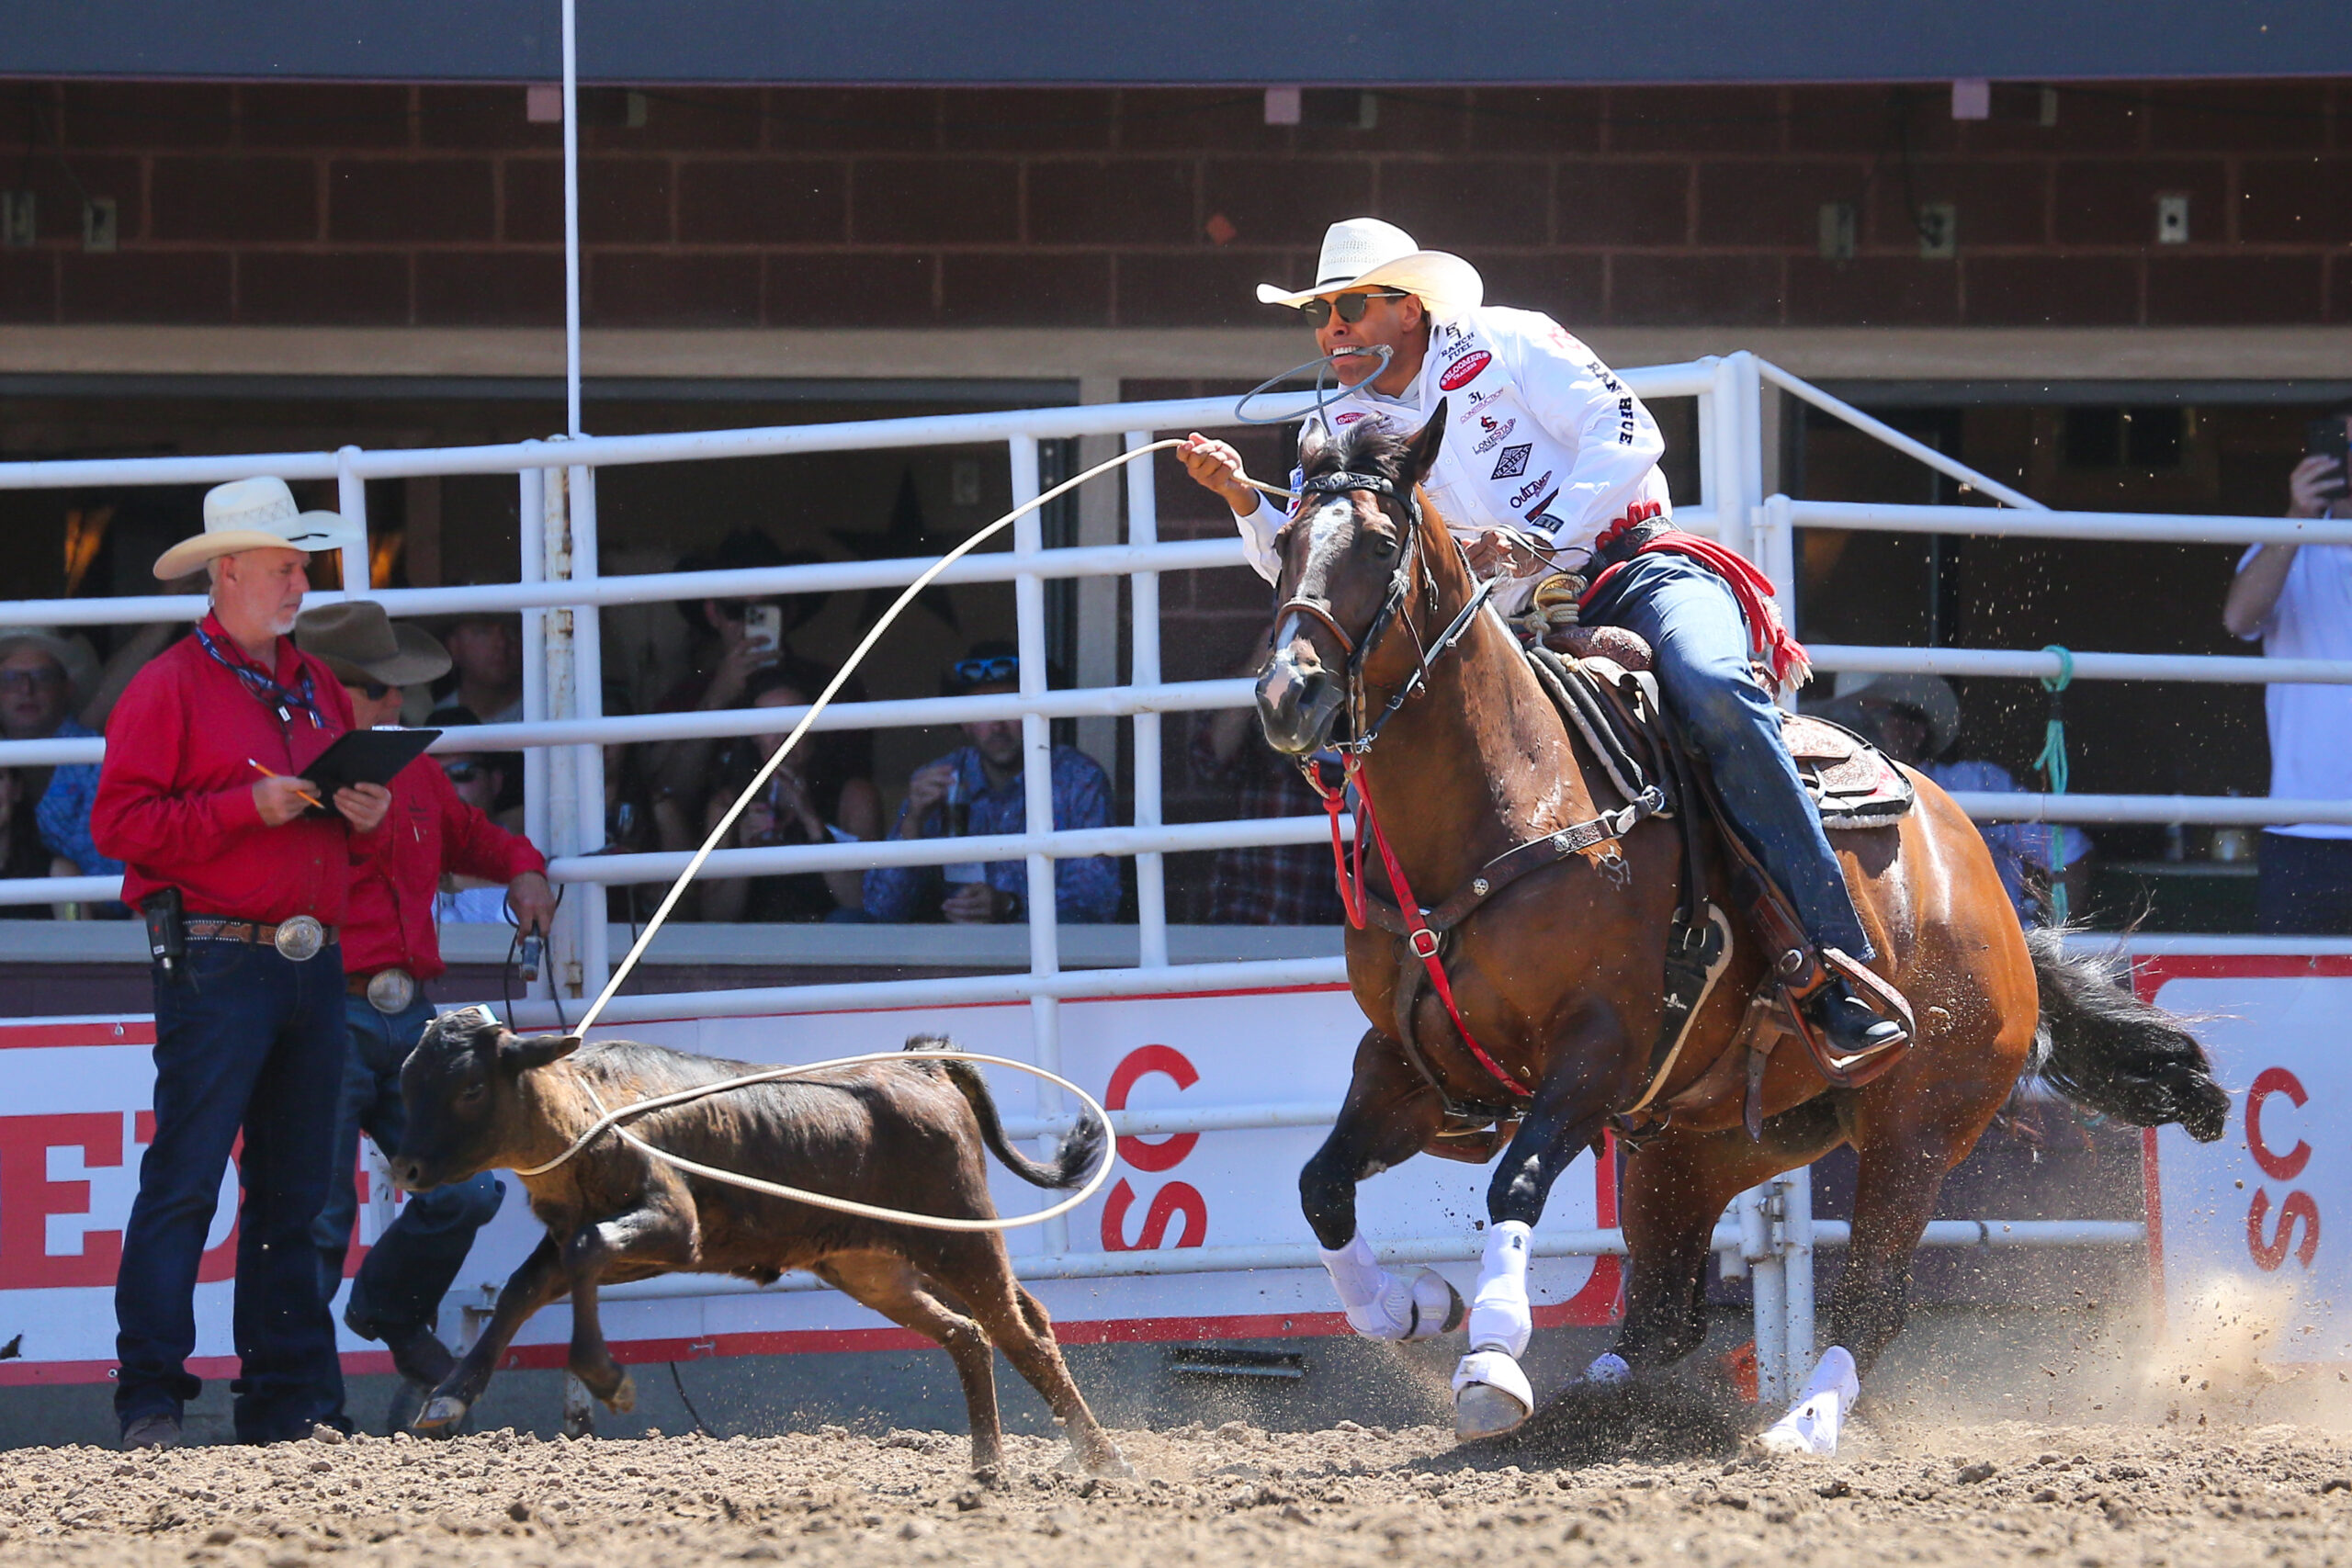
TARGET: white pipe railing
(702,446)
(2114,527)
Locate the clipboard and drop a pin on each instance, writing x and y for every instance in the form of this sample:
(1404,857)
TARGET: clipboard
(365,756)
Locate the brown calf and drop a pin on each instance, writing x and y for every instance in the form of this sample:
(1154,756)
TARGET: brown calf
(902,1136)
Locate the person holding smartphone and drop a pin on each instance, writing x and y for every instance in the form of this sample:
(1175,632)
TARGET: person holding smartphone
(2297,600)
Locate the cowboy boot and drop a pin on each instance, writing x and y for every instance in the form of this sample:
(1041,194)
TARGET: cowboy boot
(1847,1023)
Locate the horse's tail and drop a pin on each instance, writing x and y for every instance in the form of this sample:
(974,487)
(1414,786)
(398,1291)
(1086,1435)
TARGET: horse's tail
(2106,1050)
(1080,1150)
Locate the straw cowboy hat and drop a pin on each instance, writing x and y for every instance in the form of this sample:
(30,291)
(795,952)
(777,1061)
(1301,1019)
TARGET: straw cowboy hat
(358,642)
(255,514)
(73,655)
(1364,253)
(1930,696)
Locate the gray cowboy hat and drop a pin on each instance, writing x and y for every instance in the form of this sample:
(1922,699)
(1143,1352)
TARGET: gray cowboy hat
(1930,696)
(358,642)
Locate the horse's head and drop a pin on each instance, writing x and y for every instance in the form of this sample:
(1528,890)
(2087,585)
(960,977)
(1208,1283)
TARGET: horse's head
(1347,567)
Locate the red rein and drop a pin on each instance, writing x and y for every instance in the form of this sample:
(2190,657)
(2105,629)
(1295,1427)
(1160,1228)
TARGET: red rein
(1355,899)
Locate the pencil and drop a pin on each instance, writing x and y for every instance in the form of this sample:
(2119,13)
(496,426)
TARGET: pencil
(264,772)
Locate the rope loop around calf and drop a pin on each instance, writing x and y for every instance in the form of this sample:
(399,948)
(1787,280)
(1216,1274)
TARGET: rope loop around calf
(610,1120)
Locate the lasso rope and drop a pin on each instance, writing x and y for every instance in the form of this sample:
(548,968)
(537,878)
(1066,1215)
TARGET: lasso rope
(1318,366)
(612,1120)
(2053,764)
(726,825)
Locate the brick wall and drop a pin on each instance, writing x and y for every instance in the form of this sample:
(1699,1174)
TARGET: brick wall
(410,205)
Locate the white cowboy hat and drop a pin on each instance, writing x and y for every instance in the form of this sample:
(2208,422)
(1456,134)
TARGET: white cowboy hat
(255,514)
(1364,253)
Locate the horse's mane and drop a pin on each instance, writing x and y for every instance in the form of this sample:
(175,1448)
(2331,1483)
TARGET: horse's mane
(1374,446)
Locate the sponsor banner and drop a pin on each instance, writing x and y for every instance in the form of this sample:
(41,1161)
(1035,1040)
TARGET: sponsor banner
(78,1093)
(2258,1226)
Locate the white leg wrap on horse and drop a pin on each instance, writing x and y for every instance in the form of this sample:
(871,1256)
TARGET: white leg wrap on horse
(1811,1428)
(1381,1305)
(1609,1368)
(1498,1314)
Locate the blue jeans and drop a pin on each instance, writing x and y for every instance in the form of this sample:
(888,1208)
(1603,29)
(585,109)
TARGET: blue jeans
(400,1283)
(245,1040)
(1699,641)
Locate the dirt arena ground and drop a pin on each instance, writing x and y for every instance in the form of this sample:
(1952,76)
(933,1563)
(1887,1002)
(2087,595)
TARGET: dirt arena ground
(2081,1496)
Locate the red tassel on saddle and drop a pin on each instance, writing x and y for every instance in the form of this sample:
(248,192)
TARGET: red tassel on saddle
(1769,638)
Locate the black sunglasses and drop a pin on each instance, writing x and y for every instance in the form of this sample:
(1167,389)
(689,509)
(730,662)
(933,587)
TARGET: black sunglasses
(374,691)
(1349,306)
(463,772)
(976,671)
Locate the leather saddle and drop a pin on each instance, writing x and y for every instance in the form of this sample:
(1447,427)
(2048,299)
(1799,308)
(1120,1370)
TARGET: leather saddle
(1852,782)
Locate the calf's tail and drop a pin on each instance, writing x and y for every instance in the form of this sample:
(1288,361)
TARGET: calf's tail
(1080,1149)
(2108,1051)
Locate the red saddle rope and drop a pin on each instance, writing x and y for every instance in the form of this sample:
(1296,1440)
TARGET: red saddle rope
(1356,898)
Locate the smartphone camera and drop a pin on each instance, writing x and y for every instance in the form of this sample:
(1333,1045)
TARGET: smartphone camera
(2325,438)
(763,630)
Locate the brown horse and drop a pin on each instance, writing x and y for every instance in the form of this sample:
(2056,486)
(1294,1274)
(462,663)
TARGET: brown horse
(1557,977)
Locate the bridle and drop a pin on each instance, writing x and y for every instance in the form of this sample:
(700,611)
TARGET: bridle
(1358,651)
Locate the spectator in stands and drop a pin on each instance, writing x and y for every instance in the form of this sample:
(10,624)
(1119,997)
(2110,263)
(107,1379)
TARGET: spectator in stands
(481,780)
(807,802)
(26,855)
(44,679)
(1273,884)
(977,789)
(486,654)
(2297,600)
(628,820)
(389,954)
(727,651)
(201,794)
(1915,719)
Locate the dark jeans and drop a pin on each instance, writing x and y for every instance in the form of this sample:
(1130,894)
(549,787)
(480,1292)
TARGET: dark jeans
(2306,887)
(1692,623)
(245,1040)
(405,1274)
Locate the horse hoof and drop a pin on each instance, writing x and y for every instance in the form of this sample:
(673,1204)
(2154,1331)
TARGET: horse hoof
(623,1399)
(1490,1396)
(443,1410)
(1438,1307)
(1608,1370)
(1110,1464)
(1481,1410)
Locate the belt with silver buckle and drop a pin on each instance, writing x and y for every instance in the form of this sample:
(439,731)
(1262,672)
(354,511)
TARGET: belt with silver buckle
(298,939)
(389,991)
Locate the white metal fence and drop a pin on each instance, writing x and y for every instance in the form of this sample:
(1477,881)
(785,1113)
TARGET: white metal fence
(559,592)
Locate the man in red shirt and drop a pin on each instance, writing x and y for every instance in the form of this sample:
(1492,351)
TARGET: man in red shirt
(389,950)
(242,877)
